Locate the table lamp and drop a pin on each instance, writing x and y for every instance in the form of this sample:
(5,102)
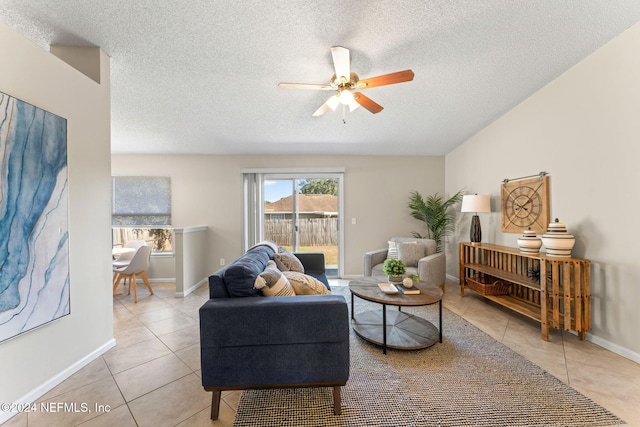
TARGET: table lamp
(475,203)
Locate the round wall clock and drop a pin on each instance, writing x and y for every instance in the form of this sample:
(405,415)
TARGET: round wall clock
(525,204)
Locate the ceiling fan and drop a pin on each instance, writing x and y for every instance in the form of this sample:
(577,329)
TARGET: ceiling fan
(346,83)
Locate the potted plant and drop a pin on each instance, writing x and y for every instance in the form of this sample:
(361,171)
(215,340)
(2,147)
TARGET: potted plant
(437,214)
(394,268)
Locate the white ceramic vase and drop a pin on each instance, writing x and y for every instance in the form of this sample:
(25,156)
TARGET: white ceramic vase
(557,241)
(529,243)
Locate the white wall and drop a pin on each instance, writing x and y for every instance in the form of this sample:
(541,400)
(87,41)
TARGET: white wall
(34,361)
(192,263)
(207,190)
(583,129)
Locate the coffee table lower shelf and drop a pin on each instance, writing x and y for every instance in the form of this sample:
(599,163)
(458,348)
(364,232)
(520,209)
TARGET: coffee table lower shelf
(404,331)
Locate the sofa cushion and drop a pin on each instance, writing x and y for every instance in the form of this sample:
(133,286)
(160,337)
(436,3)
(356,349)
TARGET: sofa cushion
(239,277)
(268,243)
(303,284)
(273,283)
(392,252)
(286,261)
(410,253)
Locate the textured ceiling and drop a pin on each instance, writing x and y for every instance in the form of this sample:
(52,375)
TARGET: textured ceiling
(201,76)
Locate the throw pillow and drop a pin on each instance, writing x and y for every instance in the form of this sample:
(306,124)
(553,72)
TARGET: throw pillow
(286,261)
(411,252)
(392,252)
(303,284)
(273,283)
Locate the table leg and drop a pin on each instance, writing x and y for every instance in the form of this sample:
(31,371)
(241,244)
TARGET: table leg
(384,329)
(440,318)
(351,306)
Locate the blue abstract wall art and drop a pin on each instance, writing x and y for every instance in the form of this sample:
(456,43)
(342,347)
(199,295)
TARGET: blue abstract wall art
(34,232)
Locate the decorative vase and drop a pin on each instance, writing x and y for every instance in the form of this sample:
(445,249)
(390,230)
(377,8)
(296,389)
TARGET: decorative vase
(557,240)
(529,243)
(407,282)
(395,279)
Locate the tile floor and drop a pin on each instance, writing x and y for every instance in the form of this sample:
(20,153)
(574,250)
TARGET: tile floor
(152,377)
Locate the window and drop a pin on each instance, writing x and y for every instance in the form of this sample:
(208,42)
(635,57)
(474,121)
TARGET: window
(141,210)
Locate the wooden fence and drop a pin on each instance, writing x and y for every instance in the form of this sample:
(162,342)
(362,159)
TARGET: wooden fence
(311,231)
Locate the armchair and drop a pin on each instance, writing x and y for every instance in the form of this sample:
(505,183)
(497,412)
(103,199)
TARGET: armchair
(430,269)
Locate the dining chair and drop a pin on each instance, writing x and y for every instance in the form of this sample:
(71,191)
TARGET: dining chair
(124,259)
(136,267)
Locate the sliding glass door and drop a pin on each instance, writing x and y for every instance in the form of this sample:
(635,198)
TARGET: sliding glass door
(300,212)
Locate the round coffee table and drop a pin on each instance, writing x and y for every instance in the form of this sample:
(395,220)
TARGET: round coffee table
(397,330)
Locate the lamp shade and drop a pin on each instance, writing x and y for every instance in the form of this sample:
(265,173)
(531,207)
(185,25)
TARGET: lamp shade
(476,203)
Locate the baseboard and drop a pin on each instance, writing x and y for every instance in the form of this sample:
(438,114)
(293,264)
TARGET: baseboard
(599,341)
(192,288)
(612,347)
(167,280)
(45,387)
(350,277)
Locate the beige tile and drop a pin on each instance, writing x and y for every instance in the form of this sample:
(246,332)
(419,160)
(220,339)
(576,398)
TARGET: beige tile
(182,338)
(120,417)
(172,324)
(145,304)
(191,356)
(164,290)
(522,336)
(77,406)
(149,376)
(484,316)
(159,314)
(128,337)
(203,291)
(193,298)
(119,360)
(122,323)
(232,398)
(608,388)
(18,420)
(456,303)
(172,404)
(94,371)
(203,418)
(192,308)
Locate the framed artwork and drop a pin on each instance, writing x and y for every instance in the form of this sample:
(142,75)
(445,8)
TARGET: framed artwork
(34,231)
(525,204)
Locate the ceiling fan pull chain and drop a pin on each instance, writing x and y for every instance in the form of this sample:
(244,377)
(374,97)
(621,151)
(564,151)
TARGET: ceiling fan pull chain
(343,114)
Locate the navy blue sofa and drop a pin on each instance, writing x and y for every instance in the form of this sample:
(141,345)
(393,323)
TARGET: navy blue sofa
(248,341)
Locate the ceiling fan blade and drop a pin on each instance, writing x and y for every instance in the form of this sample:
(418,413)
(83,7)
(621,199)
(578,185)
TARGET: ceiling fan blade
(386,79)
(367,103)
(307,86)
(341,62)
(330,104)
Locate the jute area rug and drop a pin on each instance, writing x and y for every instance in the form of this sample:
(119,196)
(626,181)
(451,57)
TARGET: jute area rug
(468,380)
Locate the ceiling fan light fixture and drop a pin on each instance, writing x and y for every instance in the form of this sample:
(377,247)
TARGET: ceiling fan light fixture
(347,83)
(346,97)
(333,102)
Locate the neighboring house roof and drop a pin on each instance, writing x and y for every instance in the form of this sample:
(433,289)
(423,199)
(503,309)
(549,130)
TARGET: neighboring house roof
(307,203)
